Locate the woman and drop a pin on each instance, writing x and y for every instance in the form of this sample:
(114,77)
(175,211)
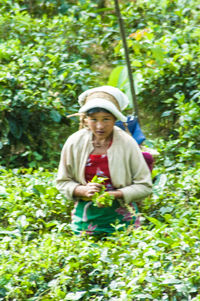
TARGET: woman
(104,150)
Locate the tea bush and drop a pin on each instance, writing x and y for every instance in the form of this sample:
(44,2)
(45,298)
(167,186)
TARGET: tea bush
(42,259)
(49,54)
(163,41)
(45,62)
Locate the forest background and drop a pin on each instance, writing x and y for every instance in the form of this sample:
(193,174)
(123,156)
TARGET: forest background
(50,52)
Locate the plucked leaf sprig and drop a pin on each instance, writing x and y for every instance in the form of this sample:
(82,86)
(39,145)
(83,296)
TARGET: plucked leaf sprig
(101,198)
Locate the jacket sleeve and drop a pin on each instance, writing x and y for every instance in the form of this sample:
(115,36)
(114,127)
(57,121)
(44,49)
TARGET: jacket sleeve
(141,183)
(65,182)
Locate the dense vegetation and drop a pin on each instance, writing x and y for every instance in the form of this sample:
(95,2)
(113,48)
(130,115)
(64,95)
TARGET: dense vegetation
(51,51)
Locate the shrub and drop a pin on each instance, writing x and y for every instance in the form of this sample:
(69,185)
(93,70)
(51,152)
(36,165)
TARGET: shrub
(163,41)
(44,66)
(42,260)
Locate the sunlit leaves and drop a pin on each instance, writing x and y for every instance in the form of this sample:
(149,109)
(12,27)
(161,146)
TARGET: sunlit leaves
(41,256)
(163,42)
(45,62)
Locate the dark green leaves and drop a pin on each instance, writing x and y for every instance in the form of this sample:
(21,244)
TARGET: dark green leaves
(45,62)
(15,128)
(40,256)
(44,65)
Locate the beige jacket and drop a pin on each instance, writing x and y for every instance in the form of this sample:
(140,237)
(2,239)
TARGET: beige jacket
(128,169)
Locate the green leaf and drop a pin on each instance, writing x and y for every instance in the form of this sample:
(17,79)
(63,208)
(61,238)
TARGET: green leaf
(75,296)
(171,281)
(123,77)
(155,221)
(136,63)
(144,296)
(114,76)
(166,113)
(55,116)
(15,128)
(158,53)
(39,189)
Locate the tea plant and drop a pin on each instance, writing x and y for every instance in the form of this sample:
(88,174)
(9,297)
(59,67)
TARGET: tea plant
(45,62)
(42,259)
(101,198)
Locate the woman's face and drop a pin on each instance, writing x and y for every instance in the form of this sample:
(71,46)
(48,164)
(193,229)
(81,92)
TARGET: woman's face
(101,124)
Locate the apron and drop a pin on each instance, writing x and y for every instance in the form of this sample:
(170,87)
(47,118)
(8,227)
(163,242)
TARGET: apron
(92,220)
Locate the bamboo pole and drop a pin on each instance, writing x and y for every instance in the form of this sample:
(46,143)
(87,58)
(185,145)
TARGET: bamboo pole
(126,52)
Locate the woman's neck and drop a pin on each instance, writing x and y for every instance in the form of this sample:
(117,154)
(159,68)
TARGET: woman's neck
(101,145)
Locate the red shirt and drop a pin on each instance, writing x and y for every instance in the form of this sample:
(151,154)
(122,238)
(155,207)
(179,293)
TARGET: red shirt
(98,165)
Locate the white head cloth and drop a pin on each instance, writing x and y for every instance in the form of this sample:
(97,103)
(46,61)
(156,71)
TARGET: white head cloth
(115,106)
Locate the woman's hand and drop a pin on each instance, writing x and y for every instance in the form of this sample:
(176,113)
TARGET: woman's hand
(91,188)
(87,190)
(116,193)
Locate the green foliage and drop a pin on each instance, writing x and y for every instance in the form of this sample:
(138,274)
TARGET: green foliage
(163,41)
(38,8)
(44,64)
(101,198)
(49,54)
(46,59)
(42,260)
(104,199)
(32,204)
